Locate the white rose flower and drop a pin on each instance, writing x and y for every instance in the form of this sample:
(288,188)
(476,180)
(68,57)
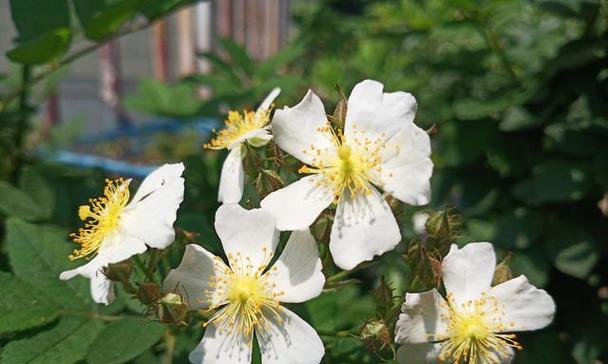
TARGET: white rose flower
(379,147)
(116,229)
(476,322)
(246,293)
(247,127)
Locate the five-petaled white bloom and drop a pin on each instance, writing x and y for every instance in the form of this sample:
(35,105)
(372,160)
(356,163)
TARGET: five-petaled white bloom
(245,295)
(247,127)
(116,229)
(475,324)
(380,146)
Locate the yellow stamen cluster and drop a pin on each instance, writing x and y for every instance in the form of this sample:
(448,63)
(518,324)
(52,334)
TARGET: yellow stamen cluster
(101,216)
(237,125)
(247,294)
(475,332)
(353,163)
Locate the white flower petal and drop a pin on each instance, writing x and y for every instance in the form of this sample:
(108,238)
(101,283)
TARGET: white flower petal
(260,138)
(232,177)
(364,226)
(118,247)
(406,167)
(421,318)
(429,353)
(158,179)
(265,105)
(248,233)
(191,279)
(102,289)
(151,217)
(468,272)
(296,129)
(297,272)
(289,341)
(115,248)
(418,353)
(419,221)
(524,306)
(378,114)
(297,206)
(222,347)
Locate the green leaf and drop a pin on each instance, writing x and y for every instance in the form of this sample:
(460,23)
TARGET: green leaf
(457,136)
(15,202)
(43,49)
(102,18)
(29,23)
(555,181)
(22,306)
(65,343)
(124,340)
(41,38)
(157,98)
(34,184)
(578,260)
(517,118)
(473,109)
(38,254)
(238,55)
(533,264)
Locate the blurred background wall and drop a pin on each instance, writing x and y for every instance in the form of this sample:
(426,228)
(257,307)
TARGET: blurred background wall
(95,86)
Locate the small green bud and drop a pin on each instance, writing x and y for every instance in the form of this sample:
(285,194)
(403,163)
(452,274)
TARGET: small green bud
(375,335)
(339,116)
(384,296)
(443,228)
(258,141)
(503,273)
(173,310)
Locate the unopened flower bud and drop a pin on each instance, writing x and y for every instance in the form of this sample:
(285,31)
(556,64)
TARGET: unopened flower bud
(375,335)
(149,293)
(119,272)
(172,309)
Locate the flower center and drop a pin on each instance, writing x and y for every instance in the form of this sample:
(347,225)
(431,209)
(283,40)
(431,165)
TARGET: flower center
(475,333)
(238,125)
(246,293)
(354,163)
(101,217)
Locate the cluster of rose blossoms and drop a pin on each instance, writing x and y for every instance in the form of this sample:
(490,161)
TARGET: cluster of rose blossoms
(379,149)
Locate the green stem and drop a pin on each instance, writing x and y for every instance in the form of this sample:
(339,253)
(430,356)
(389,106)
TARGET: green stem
(92,315)
(169,347)
(22,126)
(342,333)
(341,275)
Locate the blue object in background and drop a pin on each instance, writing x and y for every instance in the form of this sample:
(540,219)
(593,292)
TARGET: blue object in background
(139,135)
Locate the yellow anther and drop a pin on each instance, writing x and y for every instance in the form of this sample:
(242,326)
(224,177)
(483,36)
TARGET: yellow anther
(101,218)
